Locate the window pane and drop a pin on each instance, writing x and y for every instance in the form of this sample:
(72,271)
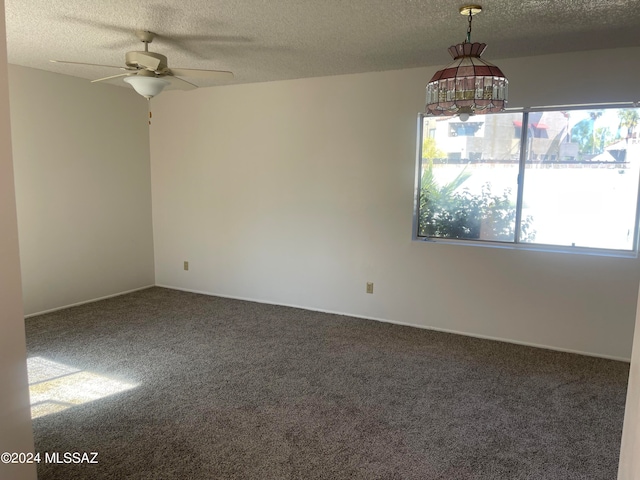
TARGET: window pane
(469,177)
(581,178)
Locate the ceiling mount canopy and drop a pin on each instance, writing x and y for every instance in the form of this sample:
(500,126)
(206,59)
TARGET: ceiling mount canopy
(469,85)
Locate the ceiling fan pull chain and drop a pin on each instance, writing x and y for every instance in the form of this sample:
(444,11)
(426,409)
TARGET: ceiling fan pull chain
(149,103)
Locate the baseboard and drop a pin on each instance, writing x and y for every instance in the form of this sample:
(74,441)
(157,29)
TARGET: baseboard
(405,324)
(87,301)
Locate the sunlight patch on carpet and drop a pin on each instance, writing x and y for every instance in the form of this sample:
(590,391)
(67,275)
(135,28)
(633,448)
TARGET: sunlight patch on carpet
(54,387)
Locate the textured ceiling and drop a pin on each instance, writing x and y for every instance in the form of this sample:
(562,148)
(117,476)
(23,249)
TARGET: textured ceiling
(265,40)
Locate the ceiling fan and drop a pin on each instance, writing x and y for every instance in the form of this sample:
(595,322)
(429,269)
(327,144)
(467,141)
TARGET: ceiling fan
(149,73)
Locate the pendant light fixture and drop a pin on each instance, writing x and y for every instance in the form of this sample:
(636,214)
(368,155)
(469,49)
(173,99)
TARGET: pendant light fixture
(469,85)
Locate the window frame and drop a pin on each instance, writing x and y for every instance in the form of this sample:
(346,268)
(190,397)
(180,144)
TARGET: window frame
(516,244)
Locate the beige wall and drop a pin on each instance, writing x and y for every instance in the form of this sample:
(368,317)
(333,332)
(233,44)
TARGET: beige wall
(629,460)
(15,419)
(81,155)
(299,192)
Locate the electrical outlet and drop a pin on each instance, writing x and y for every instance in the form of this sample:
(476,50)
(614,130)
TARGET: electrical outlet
(369,287)
(186,265)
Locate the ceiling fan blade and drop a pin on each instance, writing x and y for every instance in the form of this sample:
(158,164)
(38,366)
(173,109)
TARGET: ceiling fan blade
(206,38)
(204,74)
(179,83)
(110,77)
(147,61)
(90,64)
(96,24)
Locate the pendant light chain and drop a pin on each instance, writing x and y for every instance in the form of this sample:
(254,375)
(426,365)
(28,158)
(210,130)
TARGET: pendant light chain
(469,27)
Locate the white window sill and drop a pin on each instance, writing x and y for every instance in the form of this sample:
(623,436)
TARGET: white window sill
(601,252)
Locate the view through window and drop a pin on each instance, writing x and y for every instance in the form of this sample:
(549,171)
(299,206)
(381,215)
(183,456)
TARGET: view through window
(559,177)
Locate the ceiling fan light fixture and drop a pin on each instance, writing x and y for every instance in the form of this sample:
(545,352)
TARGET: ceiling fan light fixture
(469,85)
(147,86)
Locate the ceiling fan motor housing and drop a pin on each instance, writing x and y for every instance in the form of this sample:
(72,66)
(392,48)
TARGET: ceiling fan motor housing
(137,60)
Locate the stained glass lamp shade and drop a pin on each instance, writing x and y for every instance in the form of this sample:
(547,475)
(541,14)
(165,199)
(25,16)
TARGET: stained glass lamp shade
(469,85)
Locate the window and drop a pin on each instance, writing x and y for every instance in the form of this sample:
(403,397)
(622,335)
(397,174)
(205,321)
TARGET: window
(568,178)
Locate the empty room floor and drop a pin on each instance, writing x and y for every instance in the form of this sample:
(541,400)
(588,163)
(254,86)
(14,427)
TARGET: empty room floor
(175,385)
